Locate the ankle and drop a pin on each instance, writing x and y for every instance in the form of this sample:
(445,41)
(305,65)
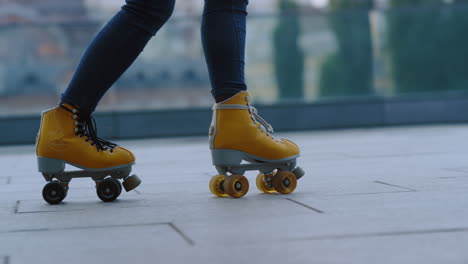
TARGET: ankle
(225,96)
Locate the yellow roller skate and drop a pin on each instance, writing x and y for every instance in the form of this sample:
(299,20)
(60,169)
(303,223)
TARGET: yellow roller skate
(68,136)
(238,133)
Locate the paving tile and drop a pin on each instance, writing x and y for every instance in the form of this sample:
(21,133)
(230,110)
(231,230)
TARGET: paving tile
(5,180)
(108,242)
(379,195)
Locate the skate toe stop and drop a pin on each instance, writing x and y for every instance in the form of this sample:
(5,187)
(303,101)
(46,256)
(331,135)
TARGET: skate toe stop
(299,172)
(131,182)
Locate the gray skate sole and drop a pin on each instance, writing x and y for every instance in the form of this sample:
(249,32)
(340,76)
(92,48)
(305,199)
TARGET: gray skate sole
(49,165)
(229,160)
(231,157)
(55,168)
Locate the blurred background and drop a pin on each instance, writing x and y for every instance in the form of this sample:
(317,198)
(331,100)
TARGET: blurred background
(298,52)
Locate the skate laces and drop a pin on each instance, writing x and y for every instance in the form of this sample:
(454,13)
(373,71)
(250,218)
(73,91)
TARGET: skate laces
(256,118)
(85,126)
(263,125)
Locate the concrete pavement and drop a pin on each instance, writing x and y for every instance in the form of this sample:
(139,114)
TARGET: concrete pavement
(383,195)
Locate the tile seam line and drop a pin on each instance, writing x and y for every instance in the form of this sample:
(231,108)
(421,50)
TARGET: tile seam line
(182,234)
(48,212)
(305,205)
(16,207)
(385,234)
(82,228)
(394,185)
(358,194)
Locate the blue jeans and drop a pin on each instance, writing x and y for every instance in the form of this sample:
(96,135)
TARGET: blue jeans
(124,37)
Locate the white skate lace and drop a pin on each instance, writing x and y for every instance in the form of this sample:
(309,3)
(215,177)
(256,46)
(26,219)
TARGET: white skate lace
(256,118)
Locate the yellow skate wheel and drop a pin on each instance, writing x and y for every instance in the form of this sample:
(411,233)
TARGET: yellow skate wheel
(236,185)
(216,186)
(284,182)
(263,186)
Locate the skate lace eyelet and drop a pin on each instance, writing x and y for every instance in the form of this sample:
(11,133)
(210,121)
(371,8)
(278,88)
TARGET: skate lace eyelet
(85,126)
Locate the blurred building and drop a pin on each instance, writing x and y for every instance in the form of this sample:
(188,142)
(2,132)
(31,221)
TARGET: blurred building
(381,3)
(194,7)
(35,55)
(38,56)
(42,10)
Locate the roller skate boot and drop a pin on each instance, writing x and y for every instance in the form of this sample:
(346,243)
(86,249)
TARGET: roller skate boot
(240,141)
(68,136)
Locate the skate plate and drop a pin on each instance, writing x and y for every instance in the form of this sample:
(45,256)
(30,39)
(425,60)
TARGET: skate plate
(265,168)
(108,186)
(67,176)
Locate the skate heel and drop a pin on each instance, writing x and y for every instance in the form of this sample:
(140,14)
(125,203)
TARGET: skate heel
(224,157)
(48,165)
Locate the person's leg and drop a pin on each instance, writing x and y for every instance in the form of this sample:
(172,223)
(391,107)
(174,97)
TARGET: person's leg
(114,49)
(223,38)
(67,134)
(237,133)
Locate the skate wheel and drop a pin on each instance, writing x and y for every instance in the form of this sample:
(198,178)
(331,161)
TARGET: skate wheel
(299,172)
(54,192)
(216,186)
(108,190)
(263,185)
(236,185)
(284,182)
(131,182)
(117,182)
